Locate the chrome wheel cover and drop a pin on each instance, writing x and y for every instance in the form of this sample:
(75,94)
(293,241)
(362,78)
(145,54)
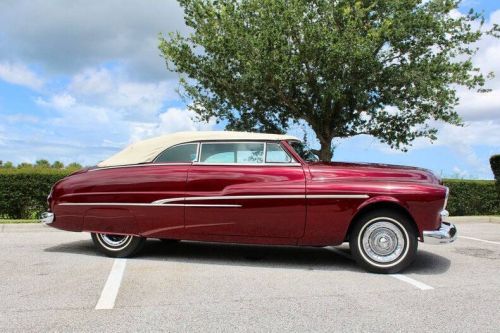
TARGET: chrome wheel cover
(114,242)
(383,241)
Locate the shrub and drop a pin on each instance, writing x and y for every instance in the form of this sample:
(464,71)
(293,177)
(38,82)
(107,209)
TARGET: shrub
(472,197)
(24,191)
(495,166)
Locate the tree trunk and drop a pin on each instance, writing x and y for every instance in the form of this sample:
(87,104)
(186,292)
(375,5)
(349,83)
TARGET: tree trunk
(326,152)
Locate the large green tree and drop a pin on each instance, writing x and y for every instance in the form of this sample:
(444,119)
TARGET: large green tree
(384,68)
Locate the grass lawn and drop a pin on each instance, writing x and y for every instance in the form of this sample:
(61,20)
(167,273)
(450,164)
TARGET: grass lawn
(4,221)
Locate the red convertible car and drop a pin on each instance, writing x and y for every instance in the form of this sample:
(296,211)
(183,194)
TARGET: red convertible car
(251,188)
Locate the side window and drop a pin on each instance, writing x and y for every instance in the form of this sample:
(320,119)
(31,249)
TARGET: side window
(276,154)
(244,153)
(185,153)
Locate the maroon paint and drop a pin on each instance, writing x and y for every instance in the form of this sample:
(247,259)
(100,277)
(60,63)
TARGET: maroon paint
(323,221)
(256,217)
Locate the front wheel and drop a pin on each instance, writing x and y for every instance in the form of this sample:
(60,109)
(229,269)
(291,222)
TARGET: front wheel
(117,246)
(384,241)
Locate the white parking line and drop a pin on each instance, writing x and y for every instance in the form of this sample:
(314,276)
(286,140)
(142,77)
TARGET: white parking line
(479,240)
(110,290)
(413,282)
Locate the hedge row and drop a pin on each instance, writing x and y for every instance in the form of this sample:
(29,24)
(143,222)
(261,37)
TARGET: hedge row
(23,193)
(473,197)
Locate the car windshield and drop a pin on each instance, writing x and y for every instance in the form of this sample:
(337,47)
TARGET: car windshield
(304,151)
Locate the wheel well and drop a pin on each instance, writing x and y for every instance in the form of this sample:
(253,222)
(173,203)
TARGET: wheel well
(378,206)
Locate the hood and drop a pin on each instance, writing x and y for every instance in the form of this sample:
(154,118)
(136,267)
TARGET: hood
(371,171)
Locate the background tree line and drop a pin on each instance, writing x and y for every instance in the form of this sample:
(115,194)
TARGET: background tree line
(42,163)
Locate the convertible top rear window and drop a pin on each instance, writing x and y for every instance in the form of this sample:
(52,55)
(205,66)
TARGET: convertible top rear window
(184,153)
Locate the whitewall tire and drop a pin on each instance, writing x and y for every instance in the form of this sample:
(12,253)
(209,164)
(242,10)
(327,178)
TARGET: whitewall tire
(384,241)
(117,246)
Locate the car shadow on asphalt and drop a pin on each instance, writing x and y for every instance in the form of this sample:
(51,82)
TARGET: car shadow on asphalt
(288,257)
(308,258)
(85,247)
(428,263)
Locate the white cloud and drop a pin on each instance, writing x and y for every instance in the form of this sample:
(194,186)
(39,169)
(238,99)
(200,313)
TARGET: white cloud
(92,81)
(173,120)
(63,101)
(143,99)
(65,39)
(19,74)
(459,173)
(472,133)
(113,89)
(100,107)
(16,118)
(481,106)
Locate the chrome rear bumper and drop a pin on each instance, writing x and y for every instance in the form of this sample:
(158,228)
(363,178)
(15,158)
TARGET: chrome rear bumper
(447,232)
(47,218)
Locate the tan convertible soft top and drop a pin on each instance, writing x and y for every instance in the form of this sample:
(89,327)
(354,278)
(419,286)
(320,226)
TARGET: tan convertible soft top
(146,150)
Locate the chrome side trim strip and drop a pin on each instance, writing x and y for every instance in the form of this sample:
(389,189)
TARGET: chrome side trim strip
(151,164)
(106,204)
(174,202)
(245,197)
(208,205)
(337,196)
(230,197)
(143,204)
(249,164)
(139,165)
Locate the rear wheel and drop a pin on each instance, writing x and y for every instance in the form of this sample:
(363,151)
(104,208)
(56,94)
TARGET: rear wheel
(384,241)
(117,246)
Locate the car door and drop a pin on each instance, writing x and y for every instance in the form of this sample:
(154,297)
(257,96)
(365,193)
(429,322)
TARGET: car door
(252,189)
(163,181)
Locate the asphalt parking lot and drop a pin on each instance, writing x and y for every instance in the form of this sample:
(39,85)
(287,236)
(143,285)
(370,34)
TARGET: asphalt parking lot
(55,281)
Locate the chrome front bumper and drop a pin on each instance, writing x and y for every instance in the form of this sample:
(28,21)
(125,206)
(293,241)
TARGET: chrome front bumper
(446,233)
(47,218)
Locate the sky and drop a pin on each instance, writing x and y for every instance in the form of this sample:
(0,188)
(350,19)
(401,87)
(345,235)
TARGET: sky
(80,80)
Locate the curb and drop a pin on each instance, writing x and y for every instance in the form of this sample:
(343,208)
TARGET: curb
(474,219)
(28,227)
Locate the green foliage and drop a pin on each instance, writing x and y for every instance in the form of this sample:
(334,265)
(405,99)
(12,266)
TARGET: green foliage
(42,164)
(384,68)
(24,165)
(74,166)
(23,192)
(495,166)
(57,165)
(472,197)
